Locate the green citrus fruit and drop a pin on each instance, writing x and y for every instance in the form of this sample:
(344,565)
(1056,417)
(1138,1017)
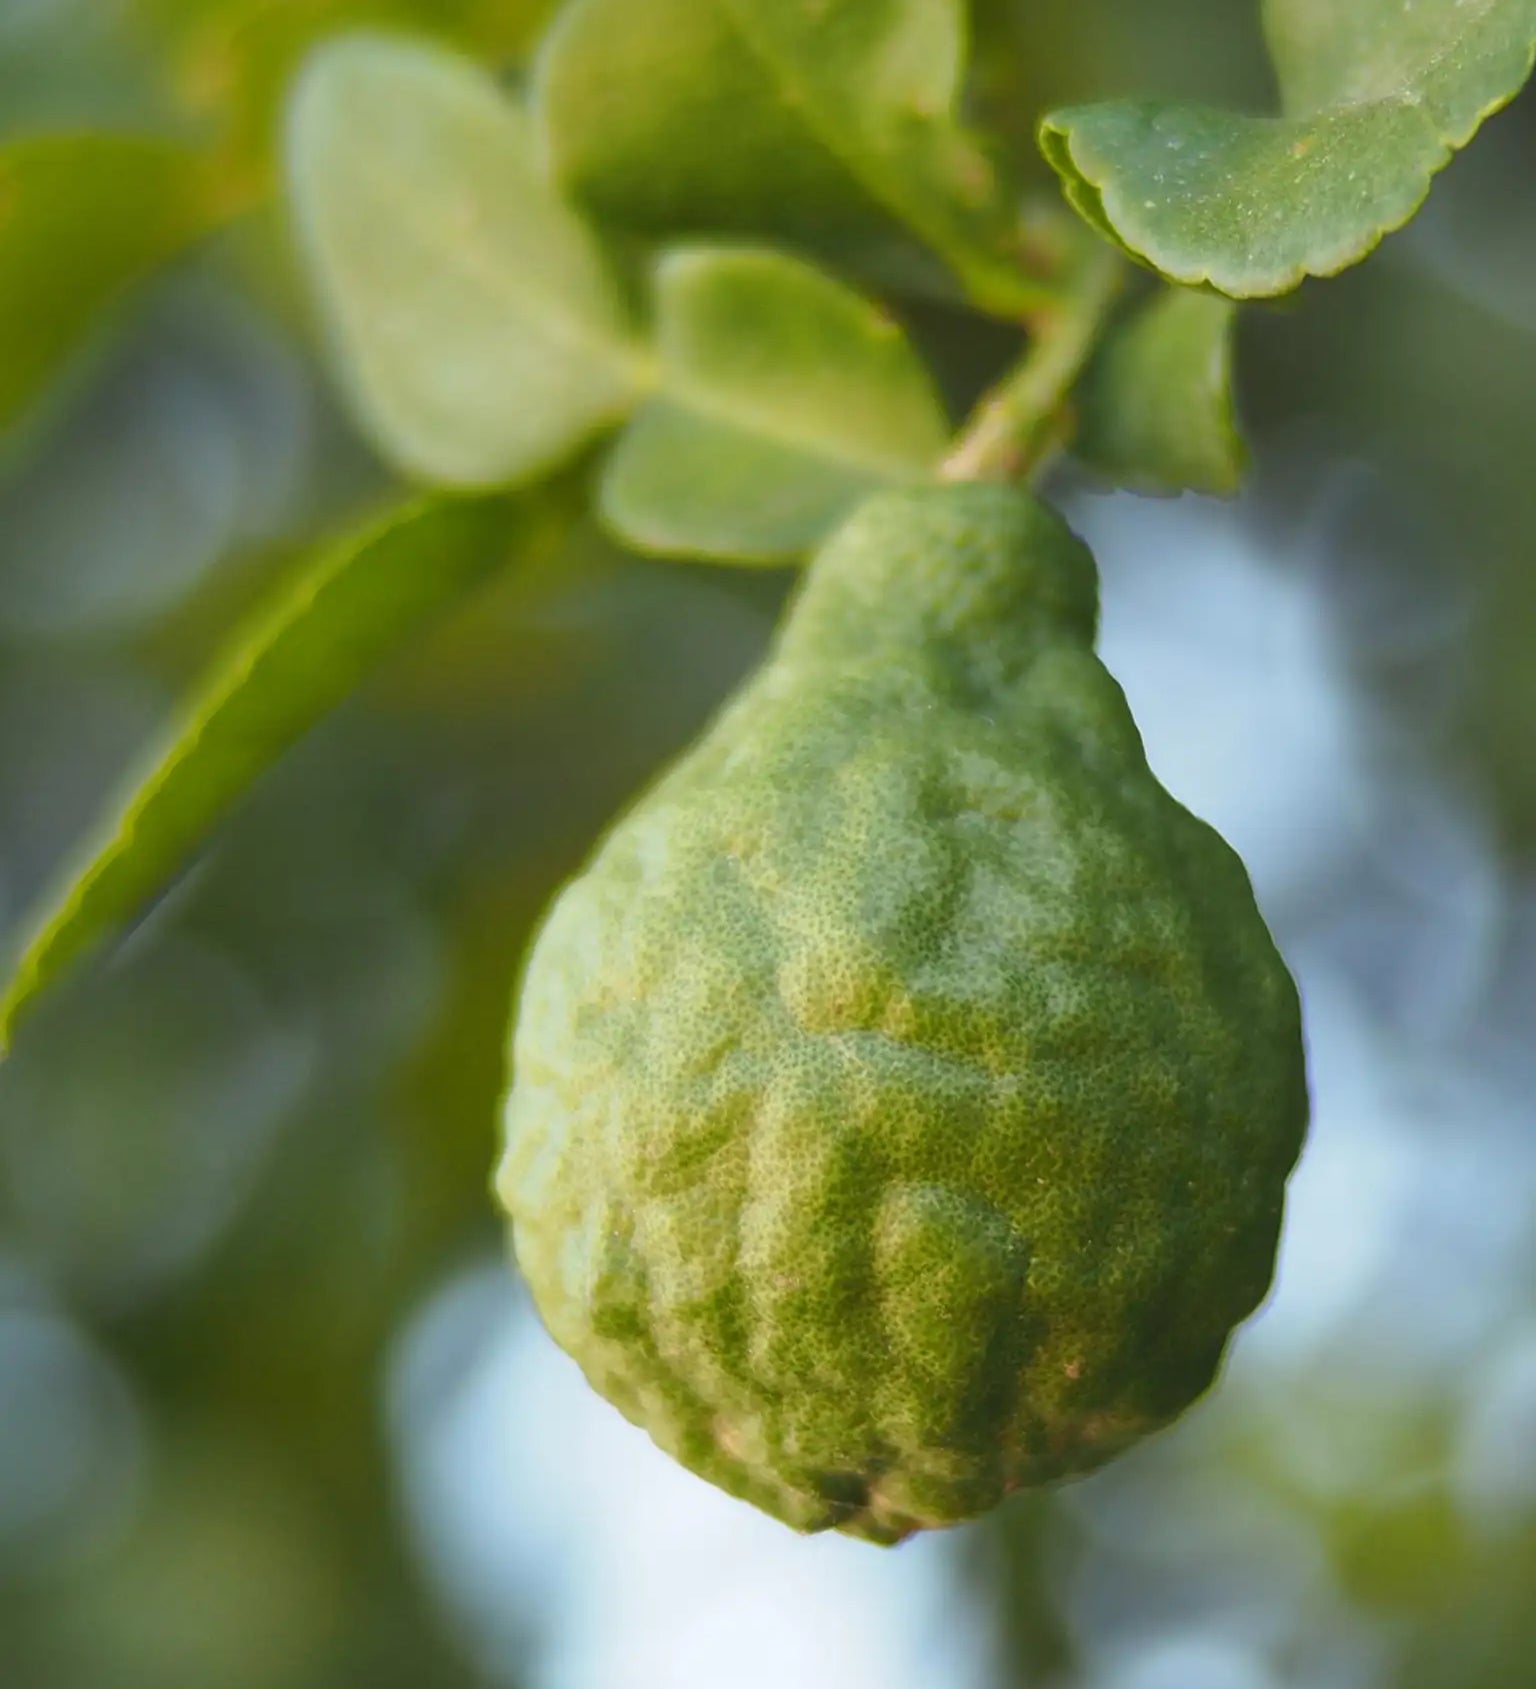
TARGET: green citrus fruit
(904,1095)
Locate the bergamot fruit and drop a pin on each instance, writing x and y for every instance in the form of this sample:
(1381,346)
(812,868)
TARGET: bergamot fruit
(904,1095)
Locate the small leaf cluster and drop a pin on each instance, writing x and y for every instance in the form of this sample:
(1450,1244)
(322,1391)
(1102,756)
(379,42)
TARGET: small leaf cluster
(486,333)
(693,247)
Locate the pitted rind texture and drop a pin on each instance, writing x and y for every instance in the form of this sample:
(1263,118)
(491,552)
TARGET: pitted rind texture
(904,1095)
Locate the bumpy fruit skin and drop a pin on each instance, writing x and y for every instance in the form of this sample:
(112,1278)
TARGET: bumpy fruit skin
(904,1095)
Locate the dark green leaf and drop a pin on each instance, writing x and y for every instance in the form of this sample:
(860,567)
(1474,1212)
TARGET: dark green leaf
(827,126)
(478,328)
(1377,95)
(1155,409)
(338,622)
(82,219)
(785,398)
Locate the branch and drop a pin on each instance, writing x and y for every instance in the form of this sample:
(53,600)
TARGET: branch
(1021,424)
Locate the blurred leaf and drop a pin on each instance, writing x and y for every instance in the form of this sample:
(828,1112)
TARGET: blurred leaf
(1377,96)
(1155,406)
(82,218)
(828,126)
(232,1571)
(479,330)
(340,620)
(232,60)
(785,398)
(1404,1548)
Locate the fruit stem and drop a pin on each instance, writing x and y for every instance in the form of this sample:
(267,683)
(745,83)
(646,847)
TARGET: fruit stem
(1023,422)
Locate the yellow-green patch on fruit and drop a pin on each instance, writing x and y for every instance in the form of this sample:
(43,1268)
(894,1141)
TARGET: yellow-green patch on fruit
(904,1095)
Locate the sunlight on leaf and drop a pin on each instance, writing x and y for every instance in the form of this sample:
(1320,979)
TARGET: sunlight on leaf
(785,398)
(479,330)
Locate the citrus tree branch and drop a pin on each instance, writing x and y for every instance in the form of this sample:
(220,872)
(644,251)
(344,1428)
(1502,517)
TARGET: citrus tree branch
(1021,424)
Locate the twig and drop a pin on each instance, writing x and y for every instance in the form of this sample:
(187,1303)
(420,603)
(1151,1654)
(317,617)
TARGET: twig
(1019,426)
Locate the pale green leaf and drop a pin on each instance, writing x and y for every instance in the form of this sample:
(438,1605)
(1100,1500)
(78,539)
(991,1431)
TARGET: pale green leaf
(1377,95)
(349,611)
(1155,410)
(478,328)
(785,398)
(83,217)
(830,127)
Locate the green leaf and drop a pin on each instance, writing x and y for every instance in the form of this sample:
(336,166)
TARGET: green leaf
(352,609)
(1377,95)
(785,398)
(478,328)
(82,219)
(828,126)
(1155,409)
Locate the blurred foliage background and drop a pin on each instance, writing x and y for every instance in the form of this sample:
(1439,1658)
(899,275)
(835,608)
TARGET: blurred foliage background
(273,1414)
